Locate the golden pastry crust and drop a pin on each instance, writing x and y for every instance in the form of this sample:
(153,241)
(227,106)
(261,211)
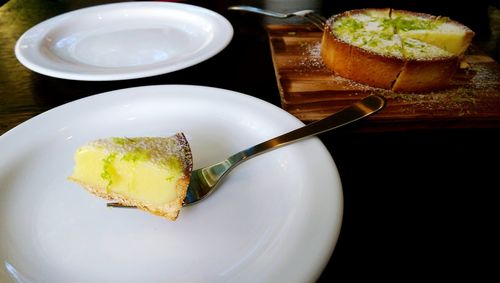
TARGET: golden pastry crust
(423,76)
(373,69)
(336,54)
(352,62)
(169,210)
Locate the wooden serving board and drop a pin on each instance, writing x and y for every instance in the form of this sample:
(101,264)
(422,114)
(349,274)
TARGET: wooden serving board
(310,91)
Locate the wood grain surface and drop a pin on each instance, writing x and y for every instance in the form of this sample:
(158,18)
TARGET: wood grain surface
(310,91)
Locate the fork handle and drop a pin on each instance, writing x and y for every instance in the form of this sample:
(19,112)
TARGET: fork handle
(369,105)
(259,11)
(354,112)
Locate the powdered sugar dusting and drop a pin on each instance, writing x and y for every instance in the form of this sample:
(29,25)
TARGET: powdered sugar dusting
(355,86)
(159,150)
(311,58)
(482,83)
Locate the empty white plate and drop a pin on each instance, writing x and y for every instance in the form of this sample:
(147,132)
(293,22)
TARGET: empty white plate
(123,41)
(276,217)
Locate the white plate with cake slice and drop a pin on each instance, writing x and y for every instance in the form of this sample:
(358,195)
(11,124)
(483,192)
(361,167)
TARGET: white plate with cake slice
(123,41)
(276,218)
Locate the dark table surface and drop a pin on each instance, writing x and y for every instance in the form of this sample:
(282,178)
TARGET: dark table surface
(418,204)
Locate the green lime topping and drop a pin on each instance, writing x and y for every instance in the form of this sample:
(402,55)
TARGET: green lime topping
(136,155)
(380,33)
(349,25)
(407,24)
(107,167)
(120,141)
(174,164)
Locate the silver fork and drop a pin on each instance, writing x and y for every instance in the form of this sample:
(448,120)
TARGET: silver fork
(205,180)
(310,15)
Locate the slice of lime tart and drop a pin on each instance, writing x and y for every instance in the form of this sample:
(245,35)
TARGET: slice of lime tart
(441,32)
(151,173)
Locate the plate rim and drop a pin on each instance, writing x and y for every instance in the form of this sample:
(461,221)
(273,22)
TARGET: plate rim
(314,270)
(217,46)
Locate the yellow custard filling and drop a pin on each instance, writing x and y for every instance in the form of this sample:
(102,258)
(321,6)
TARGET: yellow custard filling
(139,179)
(455,42)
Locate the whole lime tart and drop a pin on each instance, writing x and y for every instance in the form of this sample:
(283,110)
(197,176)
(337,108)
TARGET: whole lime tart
(394,49)
(151,173)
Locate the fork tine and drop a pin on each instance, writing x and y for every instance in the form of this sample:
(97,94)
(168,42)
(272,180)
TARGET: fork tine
(317,16)
(316,19)
(323,19)
(117,204)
